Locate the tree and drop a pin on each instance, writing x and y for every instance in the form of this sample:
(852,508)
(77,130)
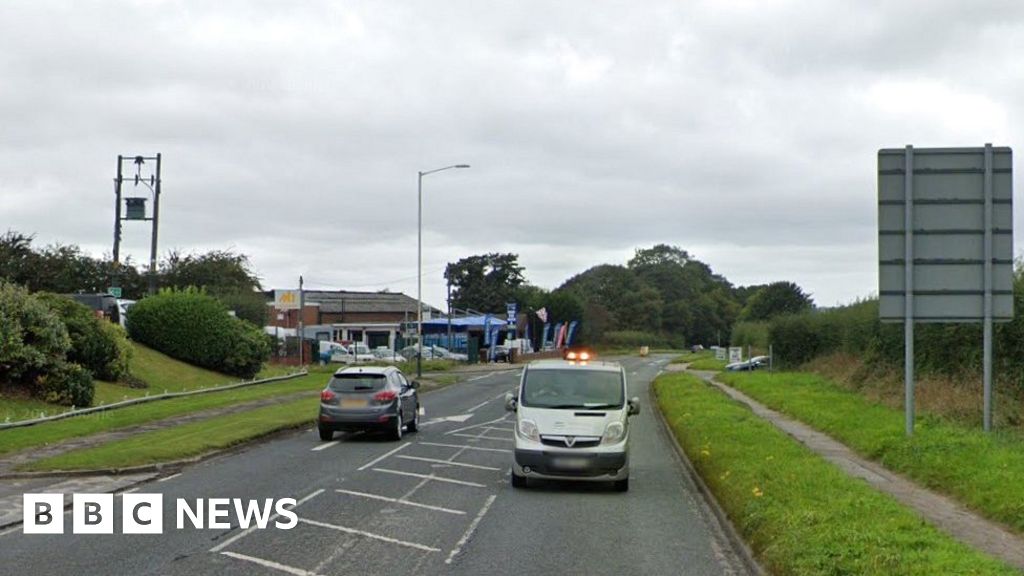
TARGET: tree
(659,255)
(485,282)
(776,299)
(223,274)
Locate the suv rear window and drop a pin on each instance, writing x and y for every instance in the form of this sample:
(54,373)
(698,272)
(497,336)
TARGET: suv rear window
(357,383)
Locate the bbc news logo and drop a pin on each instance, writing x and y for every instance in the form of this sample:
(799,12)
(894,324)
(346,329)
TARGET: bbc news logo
(144,513)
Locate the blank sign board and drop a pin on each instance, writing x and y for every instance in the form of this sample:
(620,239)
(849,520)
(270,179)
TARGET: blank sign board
(953,192)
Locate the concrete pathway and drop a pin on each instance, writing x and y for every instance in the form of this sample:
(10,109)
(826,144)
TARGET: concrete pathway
(942,511)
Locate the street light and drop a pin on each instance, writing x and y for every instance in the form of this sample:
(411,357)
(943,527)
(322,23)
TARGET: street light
(419,265)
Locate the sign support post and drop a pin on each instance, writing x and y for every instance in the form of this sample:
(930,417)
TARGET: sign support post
(908,286)
(987,338)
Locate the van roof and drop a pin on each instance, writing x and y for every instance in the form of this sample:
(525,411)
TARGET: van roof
(597,365)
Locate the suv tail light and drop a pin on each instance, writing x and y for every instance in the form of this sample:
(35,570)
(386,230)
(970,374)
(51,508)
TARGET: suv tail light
(327,396)
(385,397)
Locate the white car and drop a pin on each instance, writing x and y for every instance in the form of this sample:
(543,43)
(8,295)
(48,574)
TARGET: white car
(572,423)
(385,354)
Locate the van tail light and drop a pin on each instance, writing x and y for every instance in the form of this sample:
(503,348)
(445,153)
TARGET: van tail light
(385,397)
(327,396)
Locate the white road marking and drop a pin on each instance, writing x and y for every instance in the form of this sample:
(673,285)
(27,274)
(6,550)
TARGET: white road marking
(370,535)
(480,405)
(495,421)
(500,396)
(271,564)
(11,531)
(171,477)
(326,445)
(385,455)
(399,501)
(482,449)
(435,460)
(252,528)
(483,437)
(498,429)
(430,477)
(469,531)
(475,378)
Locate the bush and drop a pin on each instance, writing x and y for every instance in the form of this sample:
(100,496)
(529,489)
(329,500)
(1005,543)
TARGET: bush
(70,385)
(633,338)
(33,340)
(753,334)
(96,344)
(196,328)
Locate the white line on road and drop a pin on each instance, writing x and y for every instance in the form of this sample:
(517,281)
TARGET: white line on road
(430,477)
(482,449)
(171,477)
(327,445)
(500,396)
(252,528)
(469,531)
(483,437)
(271,564)
(463,429)
(370,535)
(480,405)
(399,501)
(435,460)
(385,455)
(475,378)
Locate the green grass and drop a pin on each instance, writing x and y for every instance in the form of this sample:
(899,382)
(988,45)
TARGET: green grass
(693,356)
(183,441)
(984,471)
(16,406)
(56,431)
(708,363)
(800,514)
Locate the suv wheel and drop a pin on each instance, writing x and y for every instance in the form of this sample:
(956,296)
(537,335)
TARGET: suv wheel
(396,432)
(518,481)
(326,434)
(622,485)
(415,424)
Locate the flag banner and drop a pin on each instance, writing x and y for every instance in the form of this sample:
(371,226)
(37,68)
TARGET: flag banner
(543,315)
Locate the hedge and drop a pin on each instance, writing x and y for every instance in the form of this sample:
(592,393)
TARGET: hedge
(194,327)
(96,344)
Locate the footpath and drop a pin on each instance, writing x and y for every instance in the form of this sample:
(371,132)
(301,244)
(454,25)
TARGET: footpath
(945,513)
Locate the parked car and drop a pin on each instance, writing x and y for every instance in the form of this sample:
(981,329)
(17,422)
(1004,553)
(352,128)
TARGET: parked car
(352,354)
(442,352)
(433,353)
(385,354)
(375,398)
(572,423)
(501,353)
(755,363)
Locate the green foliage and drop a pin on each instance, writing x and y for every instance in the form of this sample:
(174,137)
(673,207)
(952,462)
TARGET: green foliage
(69,384)
(776,299)
(223,274)
(196,328)
(33,340)
(980,469)
(634,339)
(753,334)
(485,282)
(801,514)
(96,344)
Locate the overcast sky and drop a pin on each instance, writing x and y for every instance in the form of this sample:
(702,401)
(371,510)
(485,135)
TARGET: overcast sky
(745,132)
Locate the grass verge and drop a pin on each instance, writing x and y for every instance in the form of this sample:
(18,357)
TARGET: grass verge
(184,441)
(49,432)
(800,514)
(981,470)
(708,363)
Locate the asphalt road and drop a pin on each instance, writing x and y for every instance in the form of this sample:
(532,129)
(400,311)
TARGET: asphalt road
(438,502)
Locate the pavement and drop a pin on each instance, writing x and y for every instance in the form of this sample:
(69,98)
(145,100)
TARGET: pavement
(437,502)
(944,512)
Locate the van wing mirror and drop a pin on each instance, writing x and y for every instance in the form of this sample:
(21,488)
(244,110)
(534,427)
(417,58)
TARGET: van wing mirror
(510,402)
(634,406)
(415,384)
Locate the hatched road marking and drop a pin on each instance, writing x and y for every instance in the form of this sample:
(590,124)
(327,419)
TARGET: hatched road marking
(369,535)
(398,501)
(430,477)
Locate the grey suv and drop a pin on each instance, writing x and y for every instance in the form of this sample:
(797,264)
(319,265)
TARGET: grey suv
(369,398)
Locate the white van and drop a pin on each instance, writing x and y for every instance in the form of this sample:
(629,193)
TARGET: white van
(572,423)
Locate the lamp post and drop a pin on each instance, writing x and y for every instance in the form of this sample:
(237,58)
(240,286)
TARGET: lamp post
(419,265)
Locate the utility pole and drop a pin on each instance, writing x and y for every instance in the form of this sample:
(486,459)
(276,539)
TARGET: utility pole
(302,304)
(449,314)
(156,226)
(136,210)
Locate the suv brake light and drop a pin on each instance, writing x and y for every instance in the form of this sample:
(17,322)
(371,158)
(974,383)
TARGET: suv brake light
(327,396)
(386,396)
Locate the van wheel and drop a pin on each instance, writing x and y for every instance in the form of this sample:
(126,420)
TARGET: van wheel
(326,434)
(622,485)
(518,481)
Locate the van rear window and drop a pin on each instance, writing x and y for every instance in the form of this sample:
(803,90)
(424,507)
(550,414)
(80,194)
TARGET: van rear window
(357,383)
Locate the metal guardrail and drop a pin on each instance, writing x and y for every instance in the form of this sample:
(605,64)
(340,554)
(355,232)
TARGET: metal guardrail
(143,399)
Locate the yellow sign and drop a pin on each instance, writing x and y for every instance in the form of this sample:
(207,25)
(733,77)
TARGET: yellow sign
(286,299)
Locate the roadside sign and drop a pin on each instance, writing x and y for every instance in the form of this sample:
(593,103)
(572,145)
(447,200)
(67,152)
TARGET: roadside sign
(114,291)
(286,299)
(945,245)
(735,354)
(510,310)
(719,353)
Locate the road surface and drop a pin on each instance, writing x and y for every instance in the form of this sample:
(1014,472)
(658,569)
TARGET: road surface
(438,502)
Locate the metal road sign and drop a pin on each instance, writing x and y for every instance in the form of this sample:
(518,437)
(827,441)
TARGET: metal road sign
(286,299)
(945,245)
